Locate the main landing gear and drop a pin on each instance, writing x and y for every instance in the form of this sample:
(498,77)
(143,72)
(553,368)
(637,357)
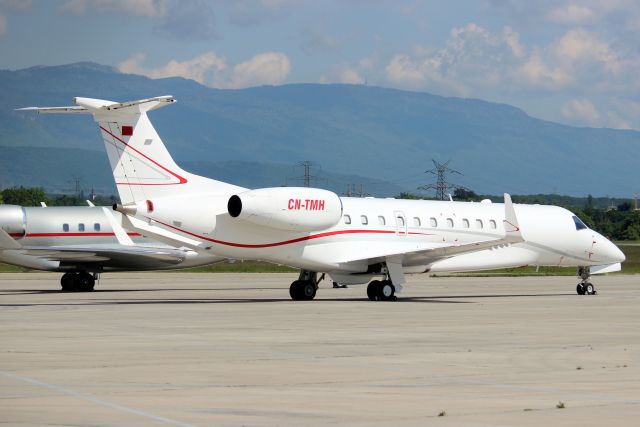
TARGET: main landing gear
(304,289)
(585,287)
(381,290)
(78,281)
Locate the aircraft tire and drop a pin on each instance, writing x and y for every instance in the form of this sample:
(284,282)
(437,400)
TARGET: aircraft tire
(85,282)
(580,289)
(589,289)
(373,290)
(68,282)
(308,290)
(387,291)
(302,290)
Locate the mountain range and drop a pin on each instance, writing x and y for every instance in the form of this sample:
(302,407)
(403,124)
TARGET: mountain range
(381,138)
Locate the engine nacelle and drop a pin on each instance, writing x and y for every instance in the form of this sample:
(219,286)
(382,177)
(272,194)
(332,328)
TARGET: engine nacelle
(288,208)
(13,220)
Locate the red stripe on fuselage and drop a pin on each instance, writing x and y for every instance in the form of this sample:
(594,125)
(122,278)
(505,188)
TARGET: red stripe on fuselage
(286,242)
(181,180)
(78,234)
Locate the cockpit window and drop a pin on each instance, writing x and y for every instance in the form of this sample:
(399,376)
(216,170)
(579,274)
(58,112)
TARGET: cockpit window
(579,224)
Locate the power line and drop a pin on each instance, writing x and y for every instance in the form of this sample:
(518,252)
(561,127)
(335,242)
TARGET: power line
(352,192)
(441,185)
(307,177)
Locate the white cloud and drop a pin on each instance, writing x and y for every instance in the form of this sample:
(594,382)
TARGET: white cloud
(269,68)
(204,68)
(571,14)
(537,74)
(472,58)
(581,111)
(148,8)
(351,76)
(212,70)
(580,45)
(3,24)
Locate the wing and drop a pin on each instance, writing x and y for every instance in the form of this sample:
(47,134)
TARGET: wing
(436,252)
(113,256)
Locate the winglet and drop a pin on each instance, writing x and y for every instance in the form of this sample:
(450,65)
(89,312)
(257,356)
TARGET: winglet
(121,234)
(7,242)
(511,224)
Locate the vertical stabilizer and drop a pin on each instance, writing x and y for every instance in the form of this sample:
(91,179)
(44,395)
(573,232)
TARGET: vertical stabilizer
(142,167)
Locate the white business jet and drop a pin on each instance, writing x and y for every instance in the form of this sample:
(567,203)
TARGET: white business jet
(354,240)
(82,242)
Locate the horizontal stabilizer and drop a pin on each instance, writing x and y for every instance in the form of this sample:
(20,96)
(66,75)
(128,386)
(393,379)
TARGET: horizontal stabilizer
(101,106)
(56,110)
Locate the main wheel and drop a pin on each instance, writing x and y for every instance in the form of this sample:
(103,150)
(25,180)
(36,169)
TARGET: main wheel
(580,289)
(302,290)
(68,282)
(589,289)
(387,290)
(294,290)
(373,290)
(308,290)
(85,282)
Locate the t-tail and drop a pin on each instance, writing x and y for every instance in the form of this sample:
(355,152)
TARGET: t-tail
(142,167)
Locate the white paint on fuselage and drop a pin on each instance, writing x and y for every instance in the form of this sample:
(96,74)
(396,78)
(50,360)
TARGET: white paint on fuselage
(550,234)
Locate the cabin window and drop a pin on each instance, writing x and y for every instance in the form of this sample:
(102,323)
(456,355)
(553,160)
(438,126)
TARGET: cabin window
(81,227)
(479,224)
(449,222)
(400,221)
(434,222)
(579,224)
(347,219)
(364,220)
(465,223)
(65,228)
(492,224)
(96,226)
(416,222)
(381,220)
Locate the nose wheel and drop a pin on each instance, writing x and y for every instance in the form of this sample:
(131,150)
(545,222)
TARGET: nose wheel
(585,287)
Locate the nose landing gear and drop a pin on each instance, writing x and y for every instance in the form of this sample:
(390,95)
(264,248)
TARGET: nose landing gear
(585,287)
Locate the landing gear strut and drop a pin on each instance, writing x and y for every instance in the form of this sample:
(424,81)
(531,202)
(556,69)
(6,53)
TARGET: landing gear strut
(304,289)
(78,281)
(585,287)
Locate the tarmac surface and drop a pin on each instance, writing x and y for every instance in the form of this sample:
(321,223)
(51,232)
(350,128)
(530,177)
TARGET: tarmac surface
(232,349)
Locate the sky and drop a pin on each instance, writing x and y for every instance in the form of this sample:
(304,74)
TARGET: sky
(568,61)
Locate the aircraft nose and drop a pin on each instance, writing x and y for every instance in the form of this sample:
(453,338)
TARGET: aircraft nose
(612,252)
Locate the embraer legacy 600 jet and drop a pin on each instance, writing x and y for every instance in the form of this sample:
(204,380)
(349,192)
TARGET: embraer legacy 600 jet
(82,242)
(354,240)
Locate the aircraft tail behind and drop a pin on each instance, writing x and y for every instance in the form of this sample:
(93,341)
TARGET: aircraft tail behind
(142,167)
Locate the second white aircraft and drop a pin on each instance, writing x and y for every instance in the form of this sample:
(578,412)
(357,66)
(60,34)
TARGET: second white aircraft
(354,240)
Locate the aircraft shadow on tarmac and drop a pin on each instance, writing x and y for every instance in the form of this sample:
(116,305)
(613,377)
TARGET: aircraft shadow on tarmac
(446,299)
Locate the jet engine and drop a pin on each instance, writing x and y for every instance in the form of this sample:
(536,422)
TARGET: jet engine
(288,208)
(13,220)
